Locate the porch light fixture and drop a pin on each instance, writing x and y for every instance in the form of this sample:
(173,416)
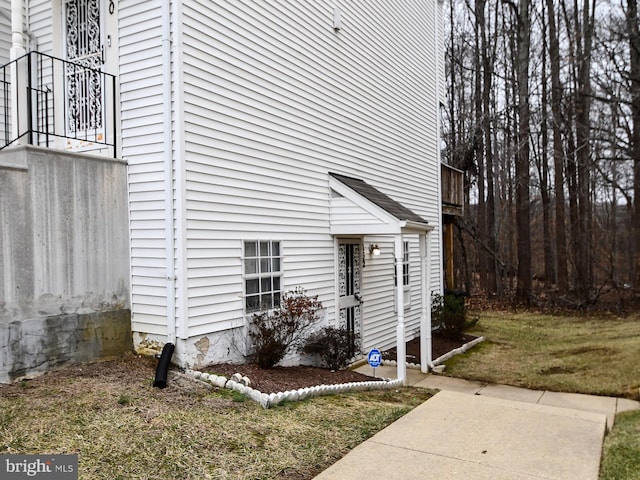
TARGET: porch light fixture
(374,249)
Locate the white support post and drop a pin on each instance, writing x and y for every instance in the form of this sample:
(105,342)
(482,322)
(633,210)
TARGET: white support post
(425,329)
(400,330)
(17,38)
(427,287)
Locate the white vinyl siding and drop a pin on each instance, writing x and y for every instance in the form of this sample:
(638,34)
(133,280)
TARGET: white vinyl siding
(5,54)
(140,65)
(275,99)
(379,329)
(5,31)
(40,26)
(345,212)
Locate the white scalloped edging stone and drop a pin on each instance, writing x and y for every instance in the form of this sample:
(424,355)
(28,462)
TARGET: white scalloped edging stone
(273,399)
(458,351)
(416,366)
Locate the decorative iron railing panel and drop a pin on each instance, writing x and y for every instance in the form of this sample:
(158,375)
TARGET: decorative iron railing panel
(56,103)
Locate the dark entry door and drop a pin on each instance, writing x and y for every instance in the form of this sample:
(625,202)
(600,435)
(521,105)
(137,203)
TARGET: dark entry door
(349,278)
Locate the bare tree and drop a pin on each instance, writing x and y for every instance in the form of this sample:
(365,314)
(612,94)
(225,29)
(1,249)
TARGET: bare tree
(543,170)
(584,41)
(634,148)
(580,134)
(523,214)
(558,150)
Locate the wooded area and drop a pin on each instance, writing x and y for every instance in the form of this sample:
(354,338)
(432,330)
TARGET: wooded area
(543,117)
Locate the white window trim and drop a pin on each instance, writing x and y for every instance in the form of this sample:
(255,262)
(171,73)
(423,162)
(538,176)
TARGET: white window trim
(259,276)
(406,260)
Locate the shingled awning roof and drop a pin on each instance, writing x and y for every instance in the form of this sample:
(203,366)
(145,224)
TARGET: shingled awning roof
(388,214)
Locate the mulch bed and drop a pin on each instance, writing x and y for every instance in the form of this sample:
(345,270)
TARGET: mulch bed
(439,346)
(281,379)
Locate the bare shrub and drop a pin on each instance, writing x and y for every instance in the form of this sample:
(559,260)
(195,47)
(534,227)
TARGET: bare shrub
(333,345)
(276,332)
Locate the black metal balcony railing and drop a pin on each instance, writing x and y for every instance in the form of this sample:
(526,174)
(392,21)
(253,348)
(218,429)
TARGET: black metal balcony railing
(57,103)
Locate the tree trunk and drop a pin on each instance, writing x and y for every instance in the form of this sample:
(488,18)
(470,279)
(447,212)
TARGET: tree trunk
(523,226)
(549,274)
(571,163)
(562,279)
(584,277)
(483,259)
(634,71)
(490,214)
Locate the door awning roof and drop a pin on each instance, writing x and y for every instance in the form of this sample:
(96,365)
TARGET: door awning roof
(357,208)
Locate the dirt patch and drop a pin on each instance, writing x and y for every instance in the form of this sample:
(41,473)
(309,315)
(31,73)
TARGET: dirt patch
(556,371)
(107,383)
(588,349)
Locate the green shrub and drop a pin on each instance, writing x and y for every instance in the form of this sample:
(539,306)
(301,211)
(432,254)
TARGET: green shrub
(279,331)
(333,345)
(449,315)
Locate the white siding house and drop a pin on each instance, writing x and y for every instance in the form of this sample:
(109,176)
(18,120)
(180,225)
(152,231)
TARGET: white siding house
(5,31)
(272,145)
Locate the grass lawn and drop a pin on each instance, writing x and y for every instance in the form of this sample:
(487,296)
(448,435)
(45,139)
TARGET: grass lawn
(123,428)
(621,459)
(571,354)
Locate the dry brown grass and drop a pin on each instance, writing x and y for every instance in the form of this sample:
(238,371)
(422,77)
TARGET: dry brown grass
(123,428)
(596,355)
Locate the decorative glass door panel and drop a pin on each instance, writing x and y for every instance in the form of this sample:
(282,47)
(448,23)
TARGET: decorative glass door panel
(349,278)
(84,116)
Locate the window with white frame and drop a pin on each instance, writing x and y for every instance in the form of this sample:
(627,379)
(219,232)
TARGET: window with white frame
(262,275)
(405,266)
(405,276)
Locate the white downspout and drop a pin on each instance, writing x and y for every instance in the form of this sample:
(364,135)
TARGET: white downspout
(168,172)
(401,340)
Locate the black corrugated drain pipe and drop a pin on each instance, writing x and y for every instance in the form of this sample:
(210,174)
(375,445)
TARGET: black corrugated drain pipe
(163,365)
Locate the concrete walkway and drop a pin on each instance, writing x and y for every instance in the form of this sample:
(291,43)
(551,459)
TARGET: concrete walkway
(472,430)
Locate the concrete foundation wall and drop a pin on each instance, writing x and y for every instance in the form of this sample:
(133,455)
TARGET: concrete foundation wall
(34,346)
(197,352)
(64,258)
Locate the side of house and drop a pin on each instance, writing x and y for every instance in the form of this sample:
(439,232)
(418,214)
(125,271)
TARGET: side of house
(265,100)
(269,145)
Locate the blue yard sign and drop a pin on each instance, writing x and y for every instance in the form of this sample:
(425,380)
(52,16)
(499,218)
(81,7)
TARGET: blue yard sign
(374,358)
